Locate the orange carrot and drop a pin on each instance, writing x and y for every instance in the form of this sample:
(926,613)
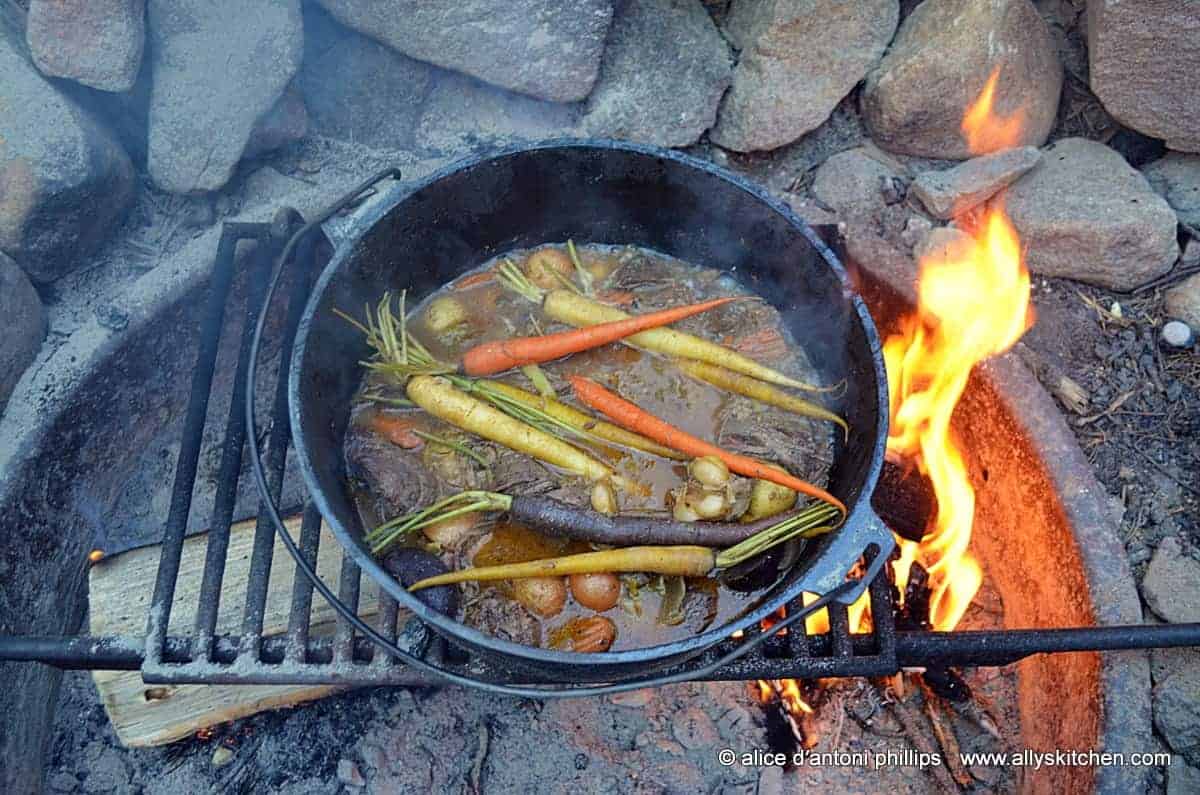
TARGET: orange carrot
(475,278)
(399,431)
(626,414)
(500,355)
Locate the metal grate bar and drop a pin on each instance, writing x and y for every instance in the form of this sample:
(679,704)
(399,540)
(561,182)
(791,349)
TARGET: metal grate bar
(193,432)
(278,442)
(348,584)
(389,611)
(217,537)
(883,619)
(839,630)
(302,587)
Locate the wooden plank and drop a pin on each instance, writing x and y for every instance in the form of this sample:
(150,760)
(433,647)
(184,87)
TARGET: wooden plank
(120,590)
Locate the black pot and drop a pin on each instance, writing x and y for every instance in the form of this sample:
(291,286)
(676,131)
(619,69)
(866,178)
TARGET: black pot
(594,192)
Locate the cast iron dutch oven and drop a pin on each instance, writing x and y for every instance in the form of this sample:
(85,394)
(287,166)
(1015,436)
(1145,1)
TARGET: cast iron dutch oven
(593,192)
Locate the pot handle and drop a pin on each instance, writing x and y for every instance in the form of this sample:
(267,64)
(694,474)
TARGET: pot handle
(851,542)
(362,210)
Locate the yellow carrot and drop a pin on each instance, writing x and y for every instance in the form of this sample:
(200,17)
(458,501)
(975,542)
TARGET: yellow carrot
(757,390)
(683,561)
(586,422)
(443,400)
(579,310)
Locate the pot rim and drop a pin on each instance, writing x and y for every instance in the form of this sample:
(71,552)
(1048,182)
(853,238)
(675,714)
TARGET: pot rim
(860,514)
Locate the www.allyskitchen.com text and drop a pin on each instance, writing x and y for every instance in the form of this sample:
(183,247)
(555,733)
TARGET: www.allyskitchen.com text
(877,760)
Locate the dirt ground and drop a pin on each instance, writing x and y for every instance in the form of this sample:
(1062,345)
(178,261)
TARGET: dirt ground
(1140,428)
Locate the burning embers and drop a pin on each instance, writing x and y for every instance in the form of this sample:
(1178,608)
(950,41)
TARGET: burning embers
(972,303)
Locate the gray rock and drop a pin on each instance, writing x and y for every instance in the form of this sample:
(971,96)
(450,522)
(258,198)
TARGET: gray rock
(852,182)
(356,89)
(943,243)
(1143,59)
(1176,177)
(1171,586)
(952,192)
(349,774)
(461,113)
(1182,778)
(1176,702)
(284,123)
(938,65)
(24,325)
(548,49)
(798,61)
(1183,301)
(215,71)
(64,180)
(1170,661)
(663,74)
(1176,333)
(94,42)
(1085,214)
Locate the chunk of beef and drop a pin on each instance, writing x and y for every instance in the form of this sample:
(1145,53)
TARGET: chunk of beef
(396,478)
(494,615)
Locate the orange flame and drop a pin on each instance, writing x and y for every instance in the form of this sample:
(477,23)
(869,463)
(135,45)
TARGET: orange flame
(973,303)
(983,130)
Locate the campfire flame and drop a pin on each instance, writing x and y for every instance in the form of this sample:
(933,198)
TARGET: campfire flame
(972,303)
(986,132)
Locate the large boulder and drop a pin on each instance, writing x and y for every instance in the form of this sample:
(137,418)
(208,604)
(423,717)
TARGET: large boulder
(24,326)
(940,62)
(1086,214)
(1176,177)
(64,180)
(798,60)
(548,49)
(356,88)
(463,114)
(95,42)
(1143,61)
(664,71)
(216,69)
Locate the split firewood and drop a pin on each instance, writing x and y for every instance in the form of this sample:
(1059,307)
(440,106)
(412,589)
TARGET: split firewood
(910,719)
(943,729)
(1068,392)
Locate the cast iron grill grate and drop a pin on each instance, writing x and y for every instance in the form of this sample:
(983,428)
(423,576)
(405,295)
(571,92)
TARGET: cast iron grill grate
(350,656)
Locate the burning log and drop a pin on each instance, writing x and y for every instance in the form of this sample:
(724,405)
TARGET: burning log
(904,500)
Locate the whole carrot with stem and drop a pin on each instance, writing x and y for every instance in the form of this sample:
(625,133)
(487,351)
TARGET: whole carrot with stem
(758,390)
(574,309)
(681,561)
(496,356)
(635,419)
(445,401)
